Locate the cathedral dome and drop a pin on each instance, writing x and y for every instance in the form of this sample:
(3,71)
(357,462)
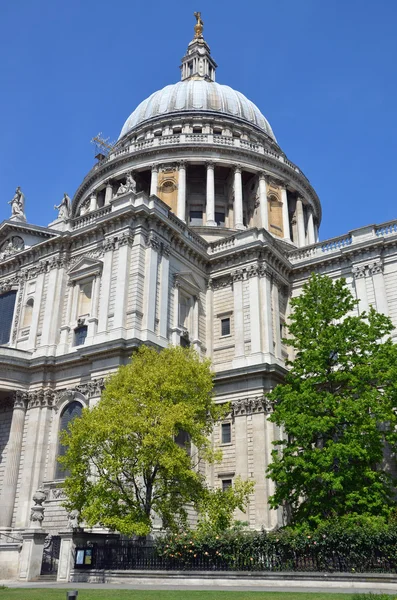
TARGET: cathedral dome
(198,95)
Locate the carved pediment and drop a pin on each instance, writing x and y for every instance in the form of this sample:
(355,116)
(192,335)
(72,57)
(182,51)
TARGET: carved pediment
(187,281)
(85,267)
(15,237)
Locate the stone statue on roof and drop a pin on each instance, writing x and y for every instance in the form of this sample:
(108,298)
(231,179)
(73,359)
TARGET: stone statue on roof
(64,208)
(18,206)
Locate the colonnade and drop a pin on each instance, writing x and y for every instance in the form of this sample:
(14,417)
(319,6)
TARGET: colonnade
(305,232)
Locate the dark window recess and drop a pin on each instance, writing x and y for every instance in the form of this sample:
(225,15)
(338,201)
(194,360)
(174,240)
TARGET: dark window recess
(225,326)
(184,342)
(226,433)
(183,440)
(7,303)
(72,410)
(80,334)
(226,484)
(196,217)
(197,130)
(220,219)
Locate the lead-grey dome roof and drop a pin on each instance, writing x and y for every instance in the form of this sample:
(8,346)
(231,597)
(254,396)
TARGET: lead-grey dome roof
(200,95)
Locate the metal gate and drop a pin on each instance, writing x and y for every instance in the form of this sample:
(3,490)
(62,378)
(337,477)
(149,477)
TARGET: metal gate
(52,546)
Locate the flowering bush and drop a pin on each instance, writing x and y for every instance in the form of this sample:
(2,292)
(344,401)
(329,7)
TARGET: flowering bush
(334,546)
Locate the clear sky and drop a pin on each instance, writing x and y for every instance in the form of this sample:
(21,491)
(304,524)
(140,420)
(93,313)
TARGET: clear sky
(323,73)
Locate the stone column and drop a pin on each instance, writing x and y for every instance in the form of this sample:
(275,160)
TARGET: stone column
(267,321)
(376,270)
(175,324)
(52,307)
(93,202)
(238,199)
(210,207)
(36,309)
(276,313)
(311,235)
(255,311)
(210,318)
(361,287)
(120,306)
(301,222)
(154,180)
(108,192)
(181,205)
(259,441)
(164,289)
(12,460)
(108,247)
(316,232)
(93,318)
(65,328)
(239,350)
(263,202)
(286,226)
(151,284)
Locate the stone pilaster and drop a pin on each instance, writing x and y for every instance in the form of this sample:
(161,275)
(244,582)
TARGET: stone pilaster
(103,312)
(300,222)
(286,226)
(263,207)
(154,180)
(210,206)
(13,457)
(181,201)
(238,199)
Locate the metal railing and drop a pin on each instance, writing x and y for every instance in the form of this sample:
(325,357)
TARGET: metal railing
(132,556)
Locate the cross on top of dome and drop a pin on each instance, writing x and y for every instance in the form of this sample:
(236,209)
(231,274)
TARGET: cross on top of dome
(198,62)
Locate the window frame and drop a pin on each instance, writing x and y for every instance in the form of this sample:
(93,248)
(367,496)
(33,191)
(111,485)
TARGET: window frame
(226,426)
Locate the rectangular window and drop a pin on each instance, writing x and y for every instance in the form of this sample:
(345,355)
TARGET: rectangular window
(80,334)
(226,433)
(84,304)
(225,326)
(196,217)
(226,484)
(7,304)
(220,219)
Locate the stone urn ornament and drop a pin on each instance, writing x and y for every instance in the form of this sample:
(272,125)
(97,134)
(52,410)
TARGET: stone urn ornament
(37,511)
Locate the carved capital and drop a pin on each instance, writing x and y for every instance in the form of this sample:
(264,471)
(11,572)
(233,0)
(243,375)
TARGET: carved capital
(358,271)
(20,399)
(238,275)
(126,239)
(249,406)
(375,267)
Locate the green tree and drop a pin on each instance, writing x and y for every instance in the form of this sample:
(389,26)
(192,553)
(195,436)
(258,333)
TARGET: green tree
(337,408)
(123,455)
(216,507)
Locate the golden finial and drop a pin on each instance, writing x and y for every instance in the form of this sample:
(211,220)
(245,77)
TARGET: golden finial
(198,28)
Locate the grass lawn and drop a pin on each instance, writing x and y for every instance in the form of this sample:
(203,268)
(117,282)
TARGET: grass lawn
(98,594)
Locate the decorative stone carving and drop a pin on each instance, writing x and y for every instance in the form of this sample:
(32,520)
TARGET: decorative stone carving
(18,311)
(20,399)
(128,186)
(57,494)
(37,511)
(358,271)
(376,267)
(238,275)
(64,208)
(91,389)
(41,398)
(73,519)
(109,244)
(247,406)
(18,206)
(126,239)
(11,246)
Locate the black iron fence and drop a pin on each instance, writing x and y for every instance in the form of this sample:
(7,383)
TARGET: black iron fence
(127,555)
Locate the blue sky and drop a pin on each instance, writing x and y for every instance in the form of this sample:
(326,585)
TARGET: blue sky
(323,73)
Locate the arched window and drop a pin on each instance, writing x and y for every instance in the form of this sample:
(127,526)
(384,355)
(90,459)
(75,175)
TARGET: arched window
(27,315)
(70,412)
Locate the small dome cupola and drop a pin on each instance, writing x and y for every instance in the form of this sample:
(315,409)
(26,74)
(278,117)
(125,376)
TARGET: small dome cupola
(198,62)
